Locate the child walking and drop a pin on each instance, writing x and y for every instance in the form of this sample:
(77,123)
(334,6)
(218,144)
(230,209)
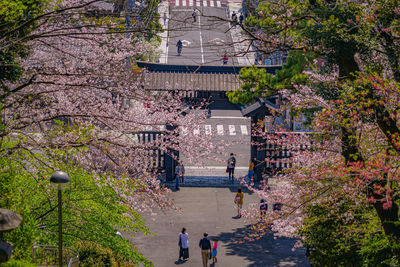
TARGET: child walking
(214,251)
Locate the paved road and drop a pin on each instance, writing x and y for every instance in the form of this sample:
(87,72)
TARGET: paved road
(227,125)
(212,210)
(204,41)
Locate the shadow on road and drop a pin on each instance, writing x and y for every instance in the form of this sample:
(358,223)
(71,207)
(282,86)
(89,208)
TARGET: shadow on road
(266,251)
(179,262)
(245,190)
(223,104)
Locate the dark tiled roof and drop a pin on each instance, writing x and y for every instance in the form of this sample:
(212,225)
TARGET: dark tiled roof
(161,80)
(154,67)
(261,104)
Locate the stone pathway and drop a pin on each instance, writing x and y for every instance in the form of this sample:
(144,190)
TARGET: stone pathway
(211,210)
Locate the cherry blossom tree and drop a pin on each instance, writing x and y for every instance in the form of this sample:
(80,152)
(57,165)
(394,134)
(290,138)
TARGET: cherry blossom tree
(80,103)
(351,92)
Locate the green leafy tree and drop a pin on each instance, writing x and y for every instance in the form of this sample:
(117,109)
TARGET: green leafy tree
(353,86)
(92,211)
(17,21)
(258,83)
(337,240)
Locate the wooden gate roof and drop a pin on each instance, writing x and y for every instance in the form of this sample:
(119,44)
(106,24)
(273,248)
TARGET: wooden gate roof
(161,80)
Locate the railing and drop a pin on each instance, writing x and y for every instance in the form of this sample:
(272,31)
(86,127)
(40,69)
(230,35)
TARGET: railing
(45,255)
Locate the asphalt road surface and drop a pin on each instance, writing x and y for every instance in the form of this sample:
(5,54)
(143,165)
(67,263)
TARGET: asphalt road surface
(212,210)
(205,41)
(227,125)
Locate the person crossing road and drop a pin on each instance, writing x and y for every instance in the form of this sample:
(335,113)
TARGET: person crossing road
(233,19)
(194,15)
(179,44)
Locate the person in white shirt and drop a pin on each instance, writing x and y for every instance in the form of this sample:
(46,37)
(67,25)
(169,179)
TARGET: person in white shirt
(183,242)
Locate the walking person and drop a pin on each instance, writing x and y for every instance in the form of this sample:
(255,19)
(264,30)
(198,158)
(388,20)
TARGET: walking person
(214,250)
(225,60)
(241,18)
(205,246)
(239,201)
(180,171)
(231,167)
(165,18)
(251,171)
(183,242)
(194,15)
(179,45)
(234,19)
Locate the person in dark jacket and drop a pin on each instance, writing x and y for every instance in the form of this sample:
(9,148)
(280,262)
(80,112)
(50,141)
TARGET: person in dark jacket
(241,18)
(205,246)
(231,167)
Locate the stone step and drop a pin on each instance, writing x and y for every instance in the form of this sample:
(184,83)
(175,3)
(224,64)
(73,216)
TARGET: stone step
(205,181)
(214,171)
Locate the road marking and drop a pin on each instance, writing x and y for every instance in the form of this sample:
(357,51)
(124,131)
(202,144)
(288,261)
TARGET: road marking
(220,129)
(227,117)
(208,129)
(211,3)
(201,42)
(190,2)
(204,3)
(218,3)
(184,130)
(186,42)
(243,128)
(196,131)
(232,130)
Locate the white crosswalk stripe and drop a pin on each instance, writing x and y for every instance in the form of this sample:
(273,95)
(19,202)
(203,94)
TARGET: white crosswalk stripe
(232,130)
(243,128)
(184,130)
(199,3)
(220,129)
(208,129)
(196,131)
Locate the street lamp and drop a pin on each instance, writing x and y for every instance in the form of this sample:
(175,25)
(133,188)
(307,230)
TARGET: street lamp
(60,181)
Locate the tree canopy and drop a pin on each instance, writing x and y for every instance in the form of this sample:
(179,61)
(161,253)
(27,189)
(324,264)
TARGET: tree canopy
(72,99)
(351,85)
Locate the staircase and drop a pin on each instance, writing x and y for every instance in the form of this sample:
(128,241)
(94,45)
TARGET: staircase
(205,181)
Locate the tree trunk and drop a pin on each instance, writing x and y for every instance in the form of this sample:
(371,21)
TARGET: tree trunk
(389,217)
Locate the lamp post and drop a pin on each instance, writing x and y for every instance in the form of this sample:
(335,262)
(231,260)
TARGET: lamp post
(60,181)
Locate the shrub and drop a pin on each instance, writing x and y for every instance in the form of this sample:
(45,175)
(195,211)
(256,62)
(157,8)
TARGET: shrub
(17,263)
(93,254)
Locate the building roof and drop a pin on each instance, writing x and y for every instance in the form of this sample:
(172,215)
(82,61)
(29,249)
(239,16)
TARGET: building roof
(162,80)
(153,67)
(261,105)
